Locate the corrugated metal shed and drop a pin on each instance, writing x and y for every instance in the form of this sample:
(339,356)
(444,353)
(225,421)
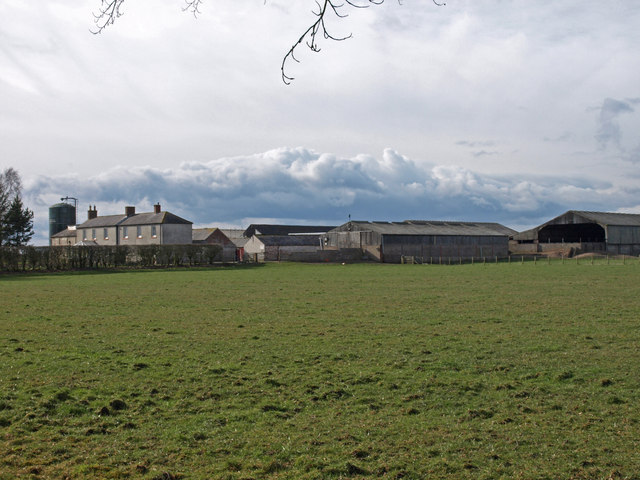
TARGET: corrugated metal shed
(265,229)
(609,219)
(616,233)
(289,240)
(426,227)
(576,217)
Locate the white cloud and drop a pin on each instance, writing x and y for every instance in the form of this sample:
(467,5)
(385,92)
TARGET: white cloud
(298,183)
(491,105)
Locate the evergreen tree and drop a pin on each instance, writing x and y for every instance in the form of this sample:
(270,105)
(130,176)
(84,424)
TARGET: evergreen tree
(18,223)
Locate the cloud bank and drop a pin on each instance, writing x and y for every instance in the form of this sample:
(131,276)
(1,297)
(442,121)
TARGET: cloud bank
(302,185)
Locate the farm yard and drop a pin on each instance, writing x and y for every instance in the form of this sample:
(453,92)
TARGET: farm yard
(482,371)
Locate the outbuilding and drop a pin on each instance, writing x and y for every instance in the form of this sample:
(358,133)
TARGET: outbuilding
(294,248)
(584,231)
(231,241)
(429,241)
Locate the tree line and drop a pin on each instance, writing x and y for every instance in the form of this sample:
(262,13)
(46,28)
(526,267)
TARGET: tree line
(16,220)
(51,259)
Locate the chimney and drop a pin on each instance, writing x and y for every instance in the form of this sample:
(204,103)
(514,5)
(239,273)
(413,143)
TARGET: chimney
(91,214)
(156,208)
(129,211)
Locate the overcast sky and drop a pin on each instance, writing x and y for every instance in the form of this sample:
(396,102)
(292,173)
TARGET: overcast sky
(506,111)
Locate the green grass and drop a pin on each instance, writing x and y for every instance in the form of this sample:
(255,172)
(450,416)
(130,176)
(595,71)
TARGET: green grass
(322,371)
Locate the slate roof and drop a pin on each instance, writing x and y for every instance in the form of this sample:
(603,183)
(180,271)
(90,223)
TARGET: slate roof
(67,232)
(236,235)
(432,227)
(201,234)
(264,229)
(136,219)
(155,219)
(103,221)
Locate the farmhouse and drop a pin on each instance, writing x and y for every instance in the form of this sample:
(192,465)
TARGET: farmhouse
(154,228)
(582,231)
(300,248)
(428,240)
(232,241)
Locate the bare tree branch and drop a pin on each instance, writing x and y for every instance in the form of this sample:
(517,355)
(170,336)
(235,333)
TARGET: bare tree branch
(309,37)
(192,6)
(109,11)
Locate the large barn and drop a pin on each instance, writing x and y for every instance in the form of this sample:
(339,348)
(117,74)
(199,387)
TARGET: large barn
(580,231)
(431,241)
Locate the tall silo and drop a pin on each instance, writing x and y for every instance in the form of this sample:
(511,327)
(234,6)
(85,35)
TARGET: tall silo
(61,215)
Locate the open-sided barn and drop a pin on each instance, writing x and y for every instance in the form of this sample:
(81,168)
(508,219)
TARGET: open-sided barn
(428,240)
(611,233)
(297,248)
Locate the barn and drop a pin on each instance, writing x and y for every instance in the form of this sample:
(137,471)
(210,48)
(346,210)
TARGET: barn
(430,241)
(583,231)
(230,240)
(295,248)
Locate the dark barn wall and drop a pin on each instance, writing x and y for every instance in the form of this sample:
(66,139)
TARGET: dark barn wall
(435,247)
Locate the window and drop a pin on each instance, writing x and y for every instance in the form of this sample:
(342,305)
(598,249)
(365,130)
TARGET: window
(93,233)
(125,232)
(139,231)
(84,235)
(154,233)
(106,233)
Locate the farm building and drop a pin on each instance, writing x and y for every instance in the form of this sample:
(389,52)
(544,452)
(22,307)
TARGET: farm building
(232,241)
(296,248)
(263,229)
(154,228)
(431,241)
(580,232)
(64,237)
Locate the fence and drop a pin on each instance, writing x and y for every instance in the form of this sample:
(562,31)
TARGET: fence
(14,259)
(534,259)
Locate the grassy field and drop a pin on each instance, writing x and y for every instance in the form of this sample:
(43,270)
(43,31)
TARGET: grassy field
(322,371)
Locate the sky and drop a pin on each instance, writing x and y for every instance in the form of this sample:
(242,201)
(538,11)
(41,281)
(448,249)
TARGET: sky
(501,111)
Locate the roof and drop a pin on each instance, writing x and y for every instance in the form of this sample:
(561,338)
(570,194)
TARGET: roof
(86,243)
(201,234)
(609,218)
(236,235)
(432,227)
(289,240)
(264,229)
(67,232)
(233,233)
(103,221)
(572,217)
(155,219)
(136,219)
